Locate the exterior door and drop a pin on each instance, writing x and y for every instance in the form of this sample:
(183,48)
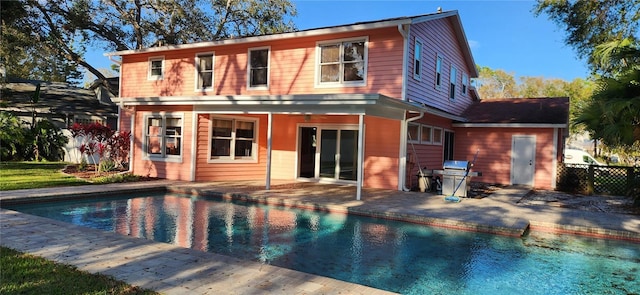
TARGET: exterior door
(523,159)
(328,153)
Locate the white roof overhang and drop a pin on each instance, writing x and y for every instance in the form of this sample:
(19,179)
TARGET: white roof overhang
(334,104)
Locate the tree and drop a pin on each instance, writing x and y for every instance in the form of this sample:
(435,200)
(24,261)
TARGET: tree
(495,83)
(24,54)
(68,26)
(589,23)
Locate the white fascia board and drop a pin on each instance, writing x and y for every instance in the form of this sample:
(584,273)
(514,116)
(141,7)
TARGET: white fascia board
(264,38)
(508,125)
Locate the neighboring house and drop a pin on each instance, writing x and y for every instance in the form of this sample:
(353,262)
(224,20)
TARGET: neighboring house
(343,104)
(60,103)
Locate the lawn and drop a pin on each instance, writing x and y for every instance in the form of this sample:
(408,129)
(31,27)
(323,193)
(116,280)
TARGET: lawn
(26,274)
(25,175)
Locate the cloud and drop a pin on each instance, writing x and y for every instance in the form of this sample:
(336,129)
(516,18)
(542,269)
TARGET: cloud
(473,44)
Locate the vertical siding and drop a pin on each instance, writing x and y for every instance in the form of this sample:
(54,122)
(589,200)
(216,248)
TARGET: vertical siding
(438,38)
(292,68)
(162,169)
(494,158)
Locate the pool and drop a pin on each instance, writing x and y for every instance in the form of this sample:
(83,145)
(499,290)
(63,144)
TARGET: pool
(396,256)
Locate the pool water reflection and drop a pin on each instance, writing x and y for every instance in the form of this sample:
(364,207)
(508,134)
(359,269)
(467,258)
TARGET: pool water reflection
(395,256)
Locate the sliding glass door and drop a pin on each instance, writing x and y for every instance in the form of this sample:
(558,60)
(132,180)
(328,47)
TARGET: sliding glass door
(335,157)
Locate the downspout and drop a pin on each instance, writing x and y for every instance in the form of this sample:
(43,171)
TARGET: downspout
(405,55)
(403,151)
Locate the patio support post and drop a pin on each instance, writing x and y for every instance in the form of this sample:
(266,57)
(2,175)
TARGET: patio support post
(360,156)
(269,133)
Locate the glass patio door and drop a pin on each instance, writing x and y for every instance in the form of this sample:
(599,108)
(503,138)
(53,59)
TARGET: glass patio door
(338,154)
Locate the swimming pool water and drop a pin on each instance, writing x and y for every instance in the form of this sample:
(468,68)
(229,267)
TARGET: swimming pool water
(396,256)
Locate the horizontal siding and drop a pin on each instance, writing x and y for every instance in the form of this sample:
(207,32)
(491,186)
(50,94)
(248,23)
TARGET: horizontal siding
(438,38)
(168,170)
(292,68)
(494,157)
(382,150)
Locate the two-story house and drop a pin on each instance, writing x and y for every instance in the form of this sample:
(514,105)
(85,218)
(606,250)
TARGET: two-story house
(362,103)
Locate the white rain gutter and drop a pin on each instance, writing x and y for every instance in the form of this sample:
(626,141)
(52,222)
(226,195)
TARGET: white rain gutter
(403,151)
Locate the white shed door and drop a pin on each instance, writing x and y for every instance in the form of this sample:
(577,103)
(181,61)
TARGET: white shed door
(523,159)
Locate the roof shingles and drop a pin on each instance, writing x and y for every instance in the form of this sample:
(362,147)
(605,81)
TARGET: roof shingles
(553,110)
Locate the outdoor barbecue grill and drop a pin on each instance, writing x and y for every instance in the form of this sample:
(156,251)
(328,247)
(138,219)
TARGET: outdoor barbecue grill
(454,173)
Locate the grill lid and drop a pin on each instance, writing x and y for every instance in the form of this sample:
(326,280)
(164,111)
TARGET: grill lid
(456,165)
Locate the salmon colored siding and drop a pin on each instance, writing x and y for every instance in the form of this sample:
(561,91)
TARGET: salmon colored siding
(229,171)
(438,38)
(382,148)
(179,170)
(124,118)
(494,157)
(292,68)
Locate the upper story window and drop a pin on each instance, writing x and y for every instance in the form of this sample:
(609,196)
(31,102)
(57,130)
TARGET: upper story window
(417,58)
(233,139)
(342,63)
(156,68)
(438,70)
(452,82)
(163,136)
(259,68)
(204,71)
(465,83)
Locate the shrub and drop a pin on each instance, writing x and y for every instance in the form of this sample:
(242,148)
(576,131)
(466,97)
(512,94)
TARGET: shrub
(12,137)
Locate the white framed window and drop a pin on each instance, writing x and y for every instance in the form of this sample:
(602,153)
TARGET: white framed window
(204,70)
(437,136)
(465,83)
(413,133)
(258,68)
(342,63)
(438,71)
(425,134)
(156,68)
(452,82)
(233,139)
(163,136)
(417,60)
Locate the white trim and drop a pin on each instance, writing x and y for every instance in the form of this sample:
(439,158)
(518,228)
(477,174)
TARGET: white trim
(417,139)
(453,81)
(194,149)
(437,83)
(132,137)
(255,146)
(269,149)
(360,157)
(150,60)
(261,87)
(554,169)
(508,125)
(417,59)
(405,58)
(341,83)
(213,70)
(440,141)
(273,37)
(465,83)
(512,158)
(163,157)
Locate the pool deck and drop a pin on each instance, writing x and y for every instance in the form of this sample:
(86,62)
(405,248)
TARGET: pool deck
(170,269)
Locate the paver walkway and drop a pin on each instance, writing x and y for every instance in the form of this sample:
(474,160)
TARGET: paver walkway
(170,269)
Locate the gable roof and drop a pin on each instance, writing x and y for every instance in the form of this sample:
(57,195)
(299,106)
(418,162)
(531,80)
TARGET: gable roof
(540,112)
(358,26)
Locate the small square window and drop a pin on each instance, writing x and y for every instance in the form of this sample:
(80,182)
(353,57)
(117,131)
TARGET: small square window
(437,136)
(425,135)
(413,133)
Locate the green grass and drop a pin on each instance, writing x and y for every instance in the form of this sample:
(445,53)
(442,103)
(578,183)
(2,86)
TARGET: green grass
(27,274)
(26,175)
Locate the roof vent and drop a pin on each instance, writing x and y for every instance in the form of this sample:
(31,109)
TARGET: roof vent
(439,9)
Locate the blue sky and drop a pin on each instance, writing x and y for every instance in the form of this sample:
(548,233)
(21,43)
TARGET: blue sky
(502,34)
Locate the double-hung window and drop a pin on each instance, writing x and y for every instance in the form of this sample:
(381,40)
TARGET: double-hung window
(156,68)
(342,63)
(465,83)
(233,139)
(163,136)
(417,60)
(204,71)
(259,68)
(438,71)
(452,82)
